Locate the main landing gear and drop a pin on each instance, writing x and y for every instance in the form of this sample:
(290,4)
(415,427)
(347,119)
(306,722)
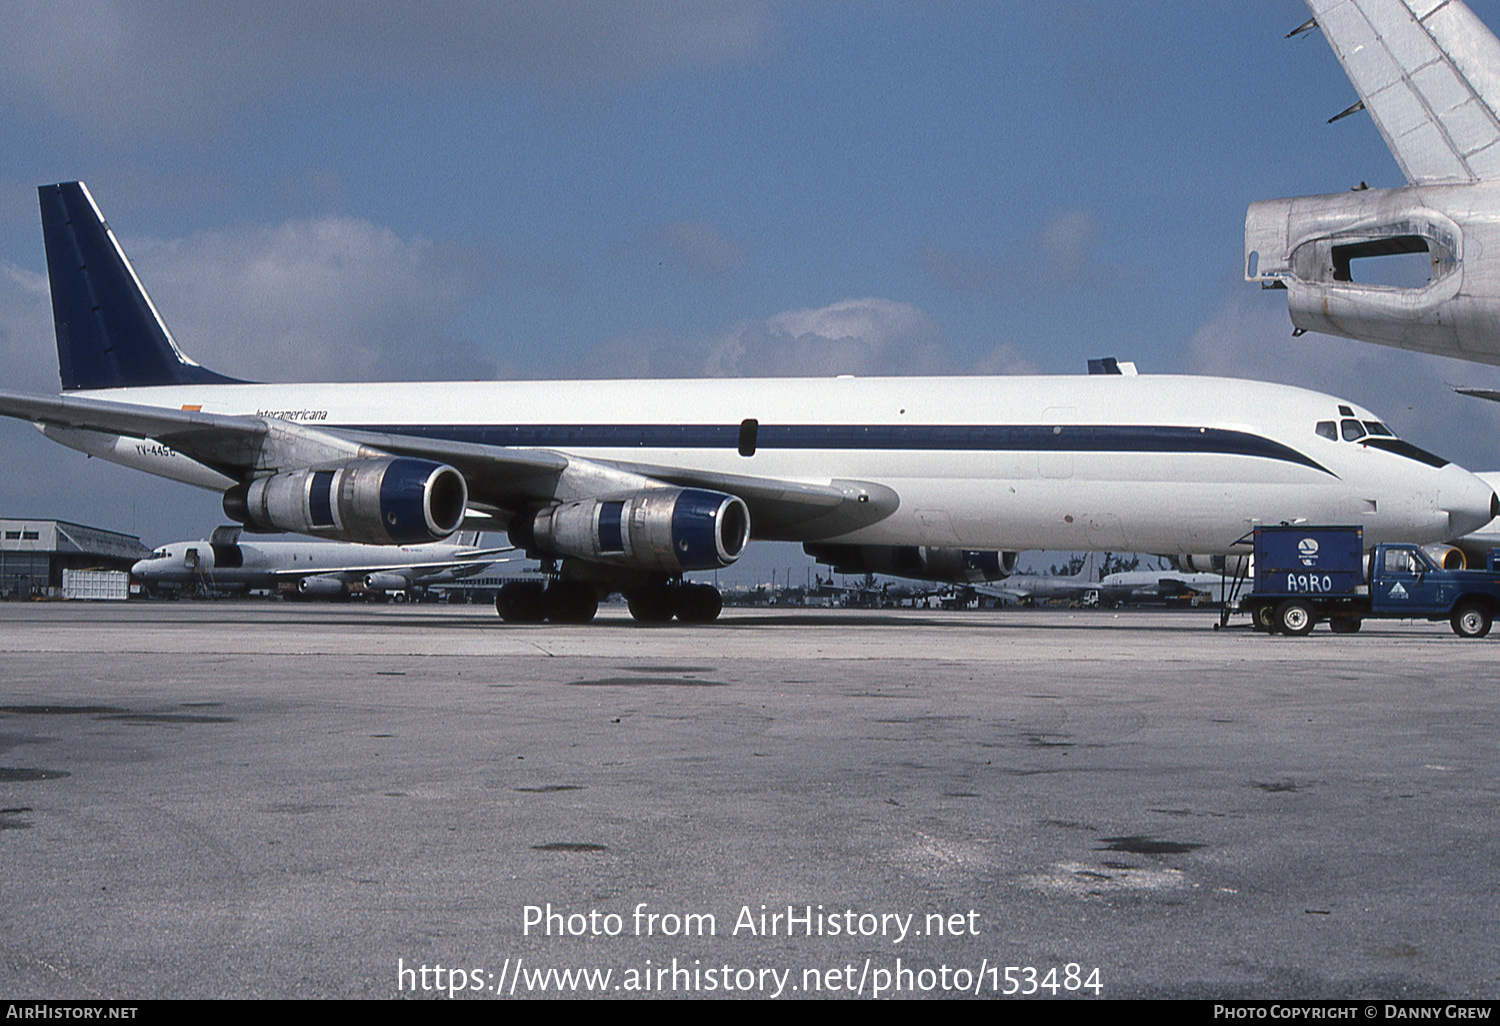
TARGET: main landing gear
(577,601)
(690,603)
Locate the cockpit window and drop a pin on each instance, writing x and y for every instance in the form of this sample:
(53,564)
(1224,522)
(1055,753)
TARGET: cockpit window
(1353,432)
(1328,429)
(1406,449)
(1377,428)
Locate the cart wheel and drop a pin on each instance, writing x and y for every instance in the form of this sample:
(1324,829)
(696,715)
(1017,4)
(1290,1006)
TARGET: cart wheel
(1295,617)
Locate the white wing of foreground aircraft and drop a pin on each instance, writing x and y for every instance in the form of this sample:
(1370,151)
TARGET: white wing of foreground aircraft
(1428,72)
(628,485)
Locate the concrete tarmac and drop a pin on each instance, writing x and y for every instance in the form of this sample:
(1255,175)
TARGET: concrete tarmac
(242,799)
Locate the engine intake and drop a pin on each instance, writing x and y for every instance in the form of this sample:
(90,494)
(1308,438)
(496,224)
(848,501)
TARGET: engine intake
(922,563)
(665,529)
(390,501)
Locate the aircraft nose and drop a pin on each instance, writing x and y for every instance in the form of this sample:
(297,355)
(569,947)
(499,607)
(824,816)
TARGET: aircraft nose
(139,567)
(1468,501)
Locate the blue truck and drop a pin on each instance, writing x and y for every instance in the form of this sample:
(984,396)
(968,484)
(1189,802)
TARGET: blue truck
(1305,575)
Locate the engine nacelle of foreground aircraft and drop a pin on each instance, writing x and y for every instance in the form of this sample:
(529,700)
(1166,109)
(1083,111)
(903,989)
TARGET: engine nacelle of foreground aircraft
(1201,564)
(392,500)
(1328,253)
(1448,557)
(663,529)
(918,562)
(322,587)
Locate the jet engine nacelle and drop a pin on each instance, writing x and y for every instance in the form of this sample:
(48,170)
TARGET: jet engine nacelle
(663,529)
(1201,564)
(387,582)
(388,501)
(1323,250)
(1447,557)
(322,587)
(918,562)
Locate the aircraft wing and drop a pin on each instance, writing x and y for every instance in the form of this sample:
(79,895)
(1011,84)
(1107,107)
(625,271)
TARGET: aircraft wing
(1010,593)
(779,509)
(499,477)
(1428,71)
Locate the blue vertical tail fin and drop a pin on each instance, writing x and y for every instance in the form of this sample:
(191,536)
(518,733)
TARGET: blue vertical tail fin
(109,334)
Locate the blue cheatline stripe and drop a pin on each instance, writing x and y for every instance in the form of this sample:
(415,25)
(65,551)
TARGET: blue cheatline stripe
(1071,438)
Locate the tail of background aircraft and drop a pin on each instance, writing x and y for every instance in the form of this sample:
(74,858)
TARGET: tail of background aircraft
(1088,572)
(109,334)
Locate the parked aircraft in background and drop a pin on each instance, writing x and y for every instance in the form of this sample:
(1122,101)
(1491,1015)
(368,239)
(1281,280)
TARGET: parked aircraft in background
(1033,589)
(1428,72)
(227,562)
(629,485)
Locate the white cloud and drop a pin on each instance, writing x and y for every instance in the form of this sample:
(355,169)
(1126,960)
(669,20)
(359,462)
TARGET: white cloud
(28,350)
(699,246)
(1251,337)
(867,337)
(1005,359)
(1062,253)
(853,336)
(118,67)
(332,298)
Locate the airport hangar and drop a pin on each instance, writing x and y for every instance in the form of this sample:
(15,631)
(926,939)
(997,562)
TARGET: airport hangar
(34,554)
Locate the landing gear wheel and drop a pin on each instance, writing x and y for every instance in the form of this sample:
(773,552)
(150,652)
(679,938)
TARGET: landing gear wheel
(1471,620)
(1295,618)
(570,602)
(651,605)
(698,603)
(1344,625)
(521,602)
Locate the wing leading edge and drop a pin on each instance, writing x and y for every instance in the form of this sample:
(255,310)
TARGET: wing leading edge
(500,479)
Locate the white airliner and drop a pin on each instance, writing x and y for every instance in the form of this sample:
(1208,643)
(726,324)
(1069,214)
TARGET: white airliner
(627,485)
(227,562)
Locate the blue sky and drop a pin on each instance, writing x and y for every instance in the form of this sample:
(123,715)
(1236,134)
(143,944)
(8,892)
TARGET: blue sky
(598,189)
